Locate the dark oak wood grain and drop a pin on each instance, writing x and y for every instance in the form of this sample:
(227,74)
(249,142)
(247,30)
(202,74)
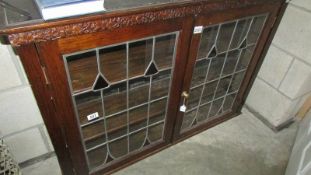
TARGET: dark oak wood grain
(55,70)
(33,67)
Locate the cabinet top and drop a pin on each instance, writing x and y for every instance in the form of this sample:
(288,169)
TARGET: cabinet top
(21,21)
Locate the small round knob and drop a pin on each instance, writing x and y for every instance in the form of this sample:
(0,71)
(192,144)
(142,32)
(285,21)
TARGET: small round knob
(185,94)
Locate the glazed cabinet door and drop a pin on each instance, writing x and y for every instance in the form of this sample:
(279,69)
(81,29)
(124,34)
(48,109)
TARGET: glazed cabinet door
(119,88)
(224,51)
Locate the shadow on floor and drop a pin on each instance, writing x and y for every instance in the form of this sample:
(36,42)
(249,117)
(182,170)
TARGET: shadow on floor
(240,146)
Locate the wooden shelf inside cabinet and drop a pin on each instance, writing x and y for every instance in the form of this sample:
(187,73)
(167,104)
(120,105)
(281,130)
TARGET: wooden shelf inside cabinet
(116,78)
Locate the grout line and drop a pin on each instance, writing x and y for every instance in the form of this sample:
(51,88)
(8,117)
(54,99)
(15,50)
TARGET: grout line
(294,58)
(302,95)
(45,138)
(20,131)
(299,7)
(19,87)
(36,160)
(286,73)
(290,54)
(275,88)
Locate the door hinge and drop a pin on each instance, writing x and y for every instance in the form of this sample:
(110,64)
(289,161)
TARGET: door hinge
(47,81)
(53,103)
(64,137)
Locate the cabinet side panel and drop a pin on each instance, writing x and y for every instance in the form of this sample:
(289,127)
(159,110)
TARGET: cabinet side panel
(32,65)
(60,92)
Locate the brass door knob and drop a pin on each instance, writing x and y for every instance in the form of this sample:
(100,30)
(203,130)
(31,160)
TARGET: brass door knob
(185,94)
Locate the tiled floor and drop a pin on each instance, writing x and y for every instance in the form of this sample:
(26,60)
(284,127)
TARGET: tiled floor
(241,146)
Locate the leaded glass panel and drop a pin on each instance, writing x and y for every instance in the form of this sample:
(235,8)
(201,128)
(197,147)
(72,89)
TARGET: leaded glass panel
(224,54)
(121,94)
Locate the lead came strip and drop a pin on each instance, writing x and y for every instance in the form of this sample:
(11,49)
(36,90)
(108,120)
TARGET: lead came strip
(222,69)
(98,147)
(243,48)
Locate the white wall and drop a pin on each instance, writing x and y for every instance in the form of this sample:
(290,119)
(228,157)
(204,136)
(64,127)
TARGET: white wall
(284,80)
(21,124)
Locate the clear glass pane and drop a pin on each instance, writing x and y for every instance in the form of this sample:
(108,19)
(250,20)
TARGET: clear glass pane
(216,67)
(93,131)
(117,126)
(224,36)
(156,132)
(231,62)
(188,119)
(138,118)
(137,140)
(209,92)
(216,106)
(160,84)
(240,33)
(97,157)
(138,91)
(140,55)
(113,63)
(95,142)
(83,70)
(245,58)
(199,72)
(229,102)
(115,99)
(119,148)
(203,112)
(223,86)
(12,16)
(88,104)
(164,51)
(236,82)
(157,111)
(194,97)
(256,28)
(207,41)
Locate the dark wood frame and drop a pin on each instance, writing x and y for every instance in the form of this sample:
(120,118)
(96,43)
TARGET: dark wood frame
(46,73)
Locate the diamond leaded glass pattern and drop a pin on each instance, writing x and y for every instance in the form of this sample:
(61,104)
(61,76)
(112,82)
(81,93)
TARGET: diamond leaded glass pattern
(223,57)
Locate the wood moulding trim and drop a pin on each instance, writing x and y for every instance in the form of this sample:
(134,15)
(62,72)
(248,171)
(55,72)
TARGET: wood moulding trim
(100,23)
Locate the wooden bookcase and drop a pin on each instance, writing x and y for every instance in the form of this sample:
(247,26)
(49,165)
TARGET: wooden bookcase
(110,85)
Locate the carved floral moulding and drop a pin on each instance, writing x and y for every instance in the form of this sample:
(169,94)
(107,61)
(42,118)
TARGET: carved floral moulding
(97,25)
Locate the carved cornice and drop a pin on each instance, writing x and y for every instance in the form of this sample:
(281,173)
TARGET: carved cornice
(86,27)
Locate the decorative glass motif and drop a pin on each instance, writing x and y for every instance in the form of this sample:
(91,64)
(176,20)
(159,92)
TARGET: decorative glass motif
(224,54)
(100,83)
(152,70)
(121,94)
